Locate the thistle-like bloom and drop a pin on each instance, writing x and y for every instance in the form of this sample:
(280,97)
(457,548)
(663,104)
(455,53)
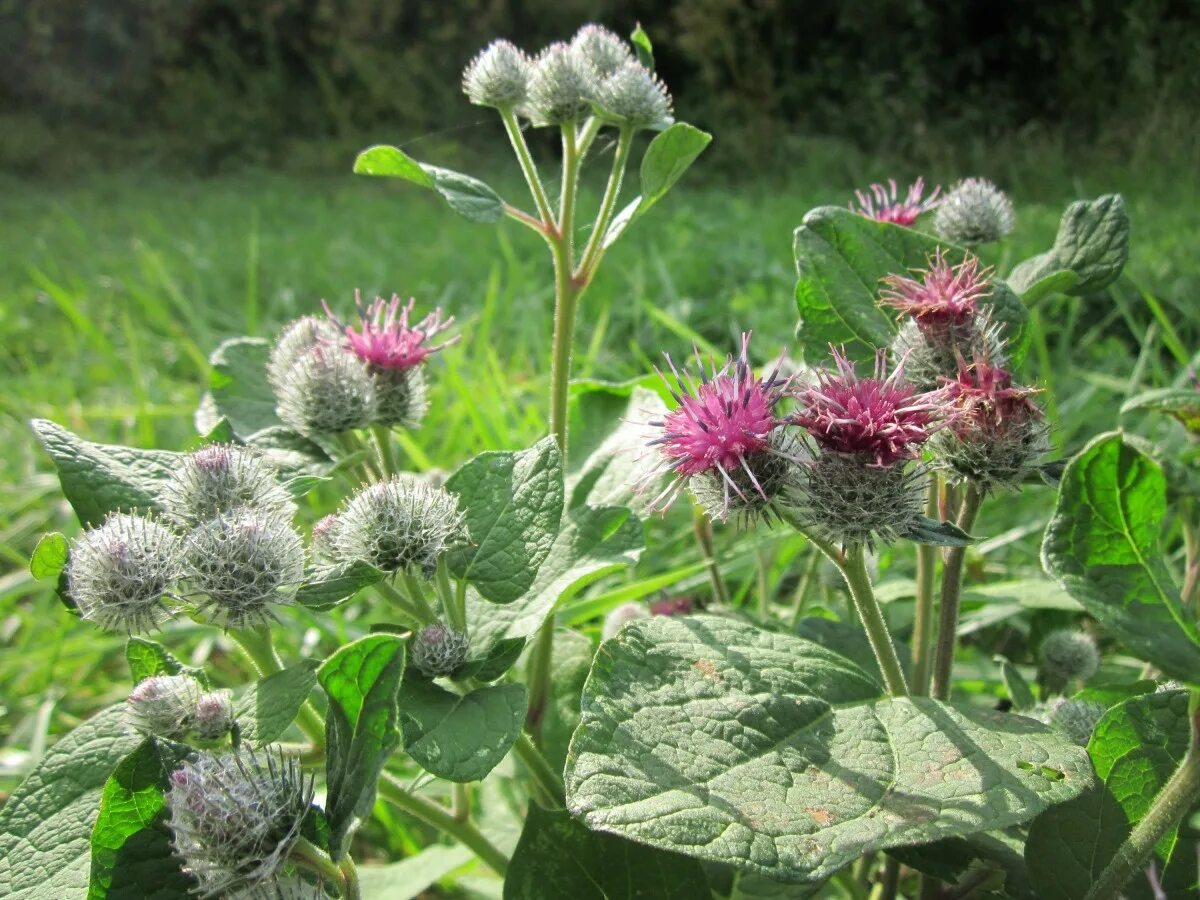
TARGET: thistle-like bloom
(437,650)
(1077,719)
(724,440)
(386,339)
(222,477)
(634,97)
(883,203)
(942,296)
(498,76)
(880,419)
(164,705)
(604,49)
(974,212)
(293,343)
(119,574)
(235,817)
(563,85)
(214,716)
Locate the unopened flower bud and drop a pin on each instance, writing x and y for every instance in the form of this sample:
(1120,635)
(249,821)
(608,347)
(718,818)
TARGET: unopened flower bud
(242,562)
(296,339)
(604,49)
(328,390)
(286,887)
(619,617)
(214,716)
(323,536)
(222,477)
(634,97)
(931,355)
(119,573)
(438,650)
(498,76)
(1075,718)
(235,817)
(853,501)
(1065,656)
(164,705)
(974,212)
(562,87)
(752,491)
(397,524)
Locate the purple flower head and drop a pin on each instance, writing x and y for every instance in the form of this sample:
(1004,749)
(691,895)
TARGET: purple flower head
(989,404)
(717,426)
(943,296)
(883,203)
(881,417)
(386,339)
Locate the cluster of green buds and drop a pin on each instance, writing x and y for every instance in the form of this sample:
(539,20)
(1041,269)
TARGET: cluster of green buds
(178,707)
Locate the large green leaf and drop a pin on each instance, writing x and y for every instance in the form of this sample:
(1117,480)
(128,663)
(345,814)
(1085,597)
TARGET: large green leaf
(414,875)
(841,258)
(101,478)
(558,856)
(46,825)
(1102,544)
(1089,252)
(513,504)
(132,855)
(269,706)
(238,385)
(1135,748)
(362,681)
(467,196)
(593,542)
(710,737)
(460,737)
(615,463)
(570,664)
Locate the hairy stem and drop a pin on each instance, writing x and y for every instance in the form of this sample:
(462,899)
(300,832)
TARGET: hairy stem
(595,245)
(453,603)
(412,617)
(308,855)
(528,168)
(923,613)
(383,442)
(460,799)
(854,570)
(704,538)
(416,593)
(258,644)
(548,781)
(952,577)
(393,791)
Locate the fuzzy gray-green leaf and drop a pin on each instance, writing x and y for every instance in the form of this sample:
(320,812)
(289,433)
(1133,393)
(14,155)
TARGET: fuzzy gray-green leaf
(1092,245)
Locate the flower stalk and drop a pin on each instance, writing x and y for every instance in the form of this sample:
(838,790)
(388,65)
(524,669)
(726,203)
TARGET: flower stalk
(923,617)
(259,646)
(952,577)
(854,570)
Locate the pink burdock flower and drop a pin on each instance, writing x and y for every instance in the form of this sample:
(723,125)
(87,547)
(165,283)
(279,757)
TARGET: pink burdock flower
(386,339)
(724,439)
(883,203)
(943,296)
(880,418)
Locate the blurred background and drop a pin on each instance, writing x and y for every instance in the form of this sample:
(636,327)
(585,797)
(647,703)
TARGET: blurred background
(177,172)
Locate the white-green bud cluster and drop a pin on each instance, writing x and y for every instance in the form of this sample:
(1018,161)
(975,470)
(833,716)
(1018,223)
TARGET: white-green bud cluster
(437,650)
(498,76)
(235,817)
(852,501)
(398,524)
(634,97)
(243,562)
(620,617)
(563,85)
(776,469)
(931,355)
(974,212)
(119,574)
(214,716)
(1067,655)
(286,887)
(1075,718)
(604,49)
(322,536)
(177,707)
(327,390)
(220,478)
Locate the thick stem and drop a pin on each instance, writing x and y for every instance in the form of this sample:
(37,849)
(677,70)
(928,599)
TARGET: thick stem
(460,800)
(801,595)
(923,613)
(259,646)
(548,781)
(308,855)
(704,537)
(453,603)
(392,790)
(1177,797)
(408,612)
(586,134)
(854,570)
(952,576)
(889,885)
(528,167)
(383,442)
(416,593)
(351,889)
(595,244)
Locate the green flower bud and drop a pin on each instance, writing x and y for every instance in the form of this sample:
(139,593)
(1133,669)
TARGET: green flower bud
(974,212)
(1065,656)
(402,396)
(214,716)
(776,470)
(328,390)
(294,342)
(437,650)
(851,501)
(222,477)
(606,51)
(1075,718)
(634,97)
(562,87)
(322,537)
(932,354)
(164,705)
(498,76)
(119,574)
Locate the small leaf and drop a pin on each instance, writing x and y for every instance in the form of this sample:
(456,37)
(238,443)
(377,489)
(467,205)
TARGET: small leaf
(1059,281)
(1181,404)
(611,470)
(559,857)
(940,534)
(413,875)
(494,662)
(238,388)
(710,737)
(49,557)
(1092,244)
(1102,545)
(669,155)
(325,587)
(147,658)
(1018,688)
(460,738)
(269,706)
(101,478)
(46,823)
(362,681)
(132,856)
(513,505)
(467,196)
(642,46)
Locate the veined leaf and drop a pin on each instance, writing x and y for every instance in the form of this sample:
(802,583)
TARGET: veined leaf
(1091,248)
(467,196)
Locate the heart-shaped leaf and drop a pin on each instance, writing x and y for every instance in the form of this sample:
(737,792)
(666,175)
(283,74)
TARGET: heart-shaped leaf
(147,658)
(467,196)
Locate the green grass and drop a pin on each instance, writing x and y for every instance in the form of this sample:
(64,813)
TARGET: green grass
(116,288)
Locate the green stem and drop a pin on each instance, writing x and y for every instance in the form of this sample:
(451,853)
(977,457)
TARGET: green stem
(453,603)
(889,886)
(460,802)
(528,167)
(257,644)
(595,244)
(1189,594)
(764,590)
(351,888)
(587,134)
(1178,797)
(308,855)
(416,593)
(854,570)
(548,781)
(810,571)
(952,577)
(412,616)
(383,441)
(392,790)
(923,613)
(704,537)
